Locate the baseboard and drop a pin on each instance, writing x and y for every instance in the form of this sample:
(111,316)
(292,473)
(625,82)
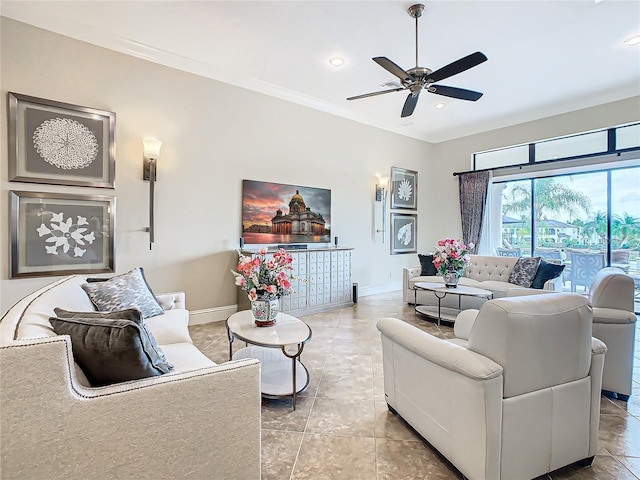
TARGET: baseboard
(373,290)
(220,314)
(208,315)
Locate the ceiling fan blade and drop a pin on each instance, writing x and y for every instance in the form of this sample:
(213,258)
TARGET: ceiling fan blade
(456,67)
(410,104)
(455,92)
(382,92)
(391,67)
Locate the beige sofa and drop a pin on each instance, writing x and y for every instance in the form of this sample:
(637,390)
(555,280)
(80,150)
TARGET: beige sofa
(201,420)
(486,272)
(514,396)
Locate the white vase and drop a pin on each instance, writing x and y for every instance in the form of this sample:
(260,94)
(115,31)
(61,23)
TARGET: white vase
(451,279)
(265,311)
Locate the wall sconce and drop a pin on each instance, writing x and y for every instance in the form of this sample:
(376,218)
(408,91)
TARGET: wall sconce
(151,155)
(381,196)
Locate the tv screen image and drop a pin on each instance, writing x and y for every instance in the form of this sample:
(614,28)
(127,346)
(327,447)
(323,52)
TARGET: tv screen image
(275,213)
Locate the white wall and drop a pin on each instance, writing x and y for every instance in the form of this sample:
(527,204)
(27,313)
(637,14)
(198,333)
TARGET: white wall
(214,136)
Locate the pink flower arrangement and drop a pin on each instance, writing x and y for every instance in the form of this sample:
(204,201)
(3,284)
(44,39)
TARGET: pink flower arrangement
(451,256)
(263,277)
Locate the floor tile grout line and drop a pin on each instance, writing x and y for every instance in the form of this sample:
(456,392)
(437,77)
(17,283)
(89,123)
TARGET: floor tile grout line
(306,424)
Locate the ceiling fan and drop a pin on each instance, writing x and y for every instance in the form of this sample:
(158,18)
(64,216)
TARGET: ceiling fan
(418,78)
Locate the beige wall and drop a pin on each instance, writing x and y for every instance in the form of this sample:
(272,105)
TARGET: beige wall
(214,135)
(456,155)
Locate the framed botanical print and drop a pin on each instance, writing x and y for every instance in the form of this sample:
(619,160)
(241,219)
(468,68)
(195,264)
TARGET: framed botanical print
(59,143)
(60,234)
(404,188)
(404,230)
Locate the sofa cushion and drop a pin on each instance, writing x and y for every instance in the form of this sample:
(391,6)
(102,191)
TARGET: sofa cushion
(171,327)
(110,351)
(499,289)
(546,271)
(130,314)
(428,268)
(524,271)
(129,290)
(186,357)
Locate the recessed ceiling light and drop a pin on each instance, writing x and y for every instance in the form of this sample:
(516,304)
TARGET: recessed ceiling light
(439,106)
(635,40)
(336,61)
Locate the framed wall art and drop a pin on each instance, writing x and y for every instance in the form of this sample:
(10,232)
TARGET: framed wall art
(404,188)
(60,234)
(59,143)
(404,230)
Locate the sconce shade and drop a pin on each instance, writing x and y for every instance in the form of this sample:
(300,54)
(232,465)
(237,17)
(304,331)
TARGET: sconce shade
(152,148)
(383,181)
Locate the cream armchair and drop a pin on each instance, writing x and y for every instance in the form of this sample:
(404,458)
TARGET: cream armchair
(519,398)
(614,323)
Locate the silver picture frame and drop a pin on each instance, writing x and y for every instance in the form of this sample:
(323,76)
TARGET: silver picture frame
(404,233)
(404,188)
(61,234)
(59,143)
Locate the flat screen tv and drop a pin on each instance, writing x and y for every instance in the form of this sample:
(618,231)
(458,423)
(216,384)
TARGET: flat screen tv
(274,213)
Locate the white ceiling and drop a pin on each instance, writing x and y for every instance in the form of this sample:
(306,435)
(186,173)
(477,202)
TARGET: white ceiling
(545,57)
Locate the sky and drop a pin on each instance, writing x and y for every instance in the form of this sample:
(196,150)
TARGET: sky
(625,187)
(261,200)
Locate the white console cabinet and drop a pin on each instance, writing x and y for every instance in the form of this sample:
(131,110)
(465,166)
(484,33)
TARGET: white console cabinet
(324,281)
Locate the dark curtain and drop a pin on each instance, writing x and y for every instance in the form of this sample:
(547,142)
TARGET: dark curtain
(473,199)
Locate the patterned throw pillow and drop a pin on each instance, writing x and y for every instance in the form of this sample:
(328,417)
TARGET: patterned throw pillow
(110,351)
(428,268)
(524,271)
(129,290)
(130,314)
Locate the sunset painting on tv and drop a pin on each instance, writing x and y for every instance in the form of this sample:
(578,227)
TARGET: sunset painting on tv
(274,213)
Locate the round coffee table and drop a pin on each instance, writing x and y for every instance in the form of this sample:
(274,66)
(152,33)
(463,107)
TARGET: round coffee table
(441,291)
(278,348)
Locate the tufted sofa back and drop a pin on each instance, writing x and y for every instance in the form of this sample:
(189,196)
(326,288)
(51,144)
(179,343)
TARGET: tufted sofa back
(490,268)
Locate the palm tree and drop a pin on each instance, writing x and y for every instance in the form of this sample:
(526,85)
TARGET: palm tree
(550,197)
(597,224)
(625,226)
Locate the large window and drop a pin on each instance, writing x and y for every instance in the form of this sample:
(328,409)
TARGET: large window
(572,217)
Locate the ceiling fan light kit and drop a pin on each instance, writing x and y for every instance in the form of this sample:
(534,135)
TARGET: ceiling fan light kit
(419,78)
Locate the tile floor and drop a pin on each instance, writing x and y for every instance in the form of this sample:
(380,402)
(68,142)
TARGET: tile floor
(343,430)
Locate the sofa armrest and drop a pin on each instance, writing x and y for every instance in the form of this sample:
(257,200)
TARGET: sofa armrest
(440,352)
(554,285)
(407,274)
(184,425)
(169,301)
(612,315)
(464,323)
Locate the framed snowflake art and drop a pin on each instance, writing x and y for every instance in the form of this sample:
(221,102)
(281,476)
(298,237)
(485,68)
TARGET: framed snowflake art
(59,143)
(60,234)
(404,188)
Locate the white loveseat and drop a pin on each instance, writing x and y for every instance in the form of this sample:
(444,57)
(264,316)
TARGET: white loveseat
(515,397)
(201,420)
(486,272)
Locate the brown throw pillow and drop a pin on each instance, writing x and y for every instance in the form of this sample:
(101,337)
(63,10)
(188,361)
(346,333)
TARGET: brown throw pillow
(131,314)
(110,351)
